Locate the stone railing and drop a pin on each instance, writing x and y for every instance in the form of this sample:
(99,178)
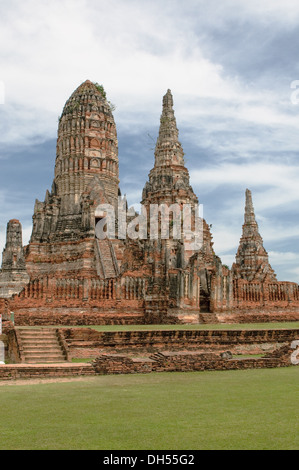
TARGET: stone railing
(51,289)
(257,293)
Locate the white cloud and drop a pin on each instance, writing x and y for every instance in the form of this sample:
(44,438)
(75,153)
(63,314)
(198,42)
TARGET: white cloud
(27,230)
(283,258)
(136,49)
(276,182)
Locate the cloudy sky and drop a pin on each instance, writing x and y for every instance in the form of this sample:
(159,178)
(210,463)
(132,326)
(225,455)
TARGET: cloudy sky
(230,65)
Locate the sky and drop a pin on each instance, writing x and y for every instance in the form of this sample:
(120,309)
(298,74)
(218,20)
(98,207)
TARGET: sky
(233,69)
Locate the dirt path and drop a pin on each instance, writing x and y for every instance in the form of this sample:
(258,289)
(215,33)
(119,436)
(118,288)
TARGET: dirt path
(42,381)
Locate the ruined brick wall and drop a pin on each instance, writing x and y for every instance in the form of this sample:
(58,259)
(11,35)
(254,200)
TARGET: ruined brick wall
(257,316)
(38,371)
(265,295)
(86,342)
(80,301)
(187,362)
(12,349)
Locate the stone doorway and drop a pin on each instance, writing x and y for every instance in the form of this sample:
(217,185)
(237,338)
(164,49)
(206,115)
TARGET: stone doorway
(204,301)
(205,291)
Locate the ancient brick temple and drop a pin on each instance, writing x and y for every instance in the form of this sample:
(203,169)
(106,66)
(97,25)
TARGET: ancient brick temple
(70,275)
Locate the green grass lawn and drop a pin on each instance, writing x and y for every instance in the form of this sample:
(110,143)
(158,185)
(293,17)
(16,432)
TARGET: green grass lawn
(218,326)
(253,409)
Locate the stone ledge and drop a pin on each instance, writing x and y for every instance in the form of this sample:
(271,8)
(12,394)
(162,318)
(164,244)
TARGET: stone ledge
(30,371)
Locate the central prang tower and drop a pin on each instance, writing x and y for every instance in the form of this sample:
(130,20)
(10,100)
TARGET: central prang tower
(86,165)
(63,240)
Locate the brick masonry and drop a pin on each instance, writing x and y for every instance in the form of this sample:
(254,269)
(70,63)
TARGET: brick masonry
(155,351)
(66,275)
(187,362)
(166,362)
(86,342)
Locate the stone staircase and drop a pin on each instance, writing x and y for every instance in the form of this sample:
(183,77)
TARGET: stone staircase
(40,346)
(105,253)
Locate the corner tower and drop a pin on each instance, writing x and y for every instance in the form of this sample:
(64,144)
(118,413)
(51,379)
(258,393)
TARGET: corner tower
(13,275)
(252,262)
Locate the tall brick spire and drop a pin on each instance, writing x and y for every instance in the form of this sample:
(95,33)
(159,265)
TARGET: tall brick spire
(249,217)
(252,262)
(168,148)
(169,180)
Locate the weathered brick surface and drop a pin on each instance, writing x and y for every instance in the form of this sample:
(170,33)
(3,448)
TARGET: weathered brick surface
(167,361)
(187,362)
(87,342)
(26,371)
(68,276)
(251,316)
(13,274)
(108,364)
(75,316)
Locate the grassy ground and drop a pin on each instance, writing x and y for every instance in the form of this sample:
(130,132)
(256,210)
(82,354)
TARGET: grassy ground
(254,409)
(245,326)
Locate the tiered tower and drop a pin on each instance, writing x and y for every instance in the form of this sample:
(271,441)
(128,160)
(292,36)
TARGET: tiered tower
(177,263)
(63,239)
(86,164)
(252,262)
(169,180)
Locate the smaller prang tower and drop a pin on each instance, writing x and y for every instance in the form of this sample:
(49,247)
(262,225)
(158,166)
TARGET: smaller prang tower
(252,261)
(169,179)
(183,275)
(13,275)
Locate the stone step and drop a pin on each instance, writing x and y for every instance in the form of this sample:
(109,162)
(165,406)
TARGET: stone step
(33,330)
(39,349)
(43,355)
(106,258)
(45,360)
(41,346)
(39,340)
(32,347)
(38,335)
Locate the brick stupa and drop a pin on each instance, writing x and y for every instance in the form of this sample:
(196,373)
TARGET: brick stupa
(68,275)
(252,261)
